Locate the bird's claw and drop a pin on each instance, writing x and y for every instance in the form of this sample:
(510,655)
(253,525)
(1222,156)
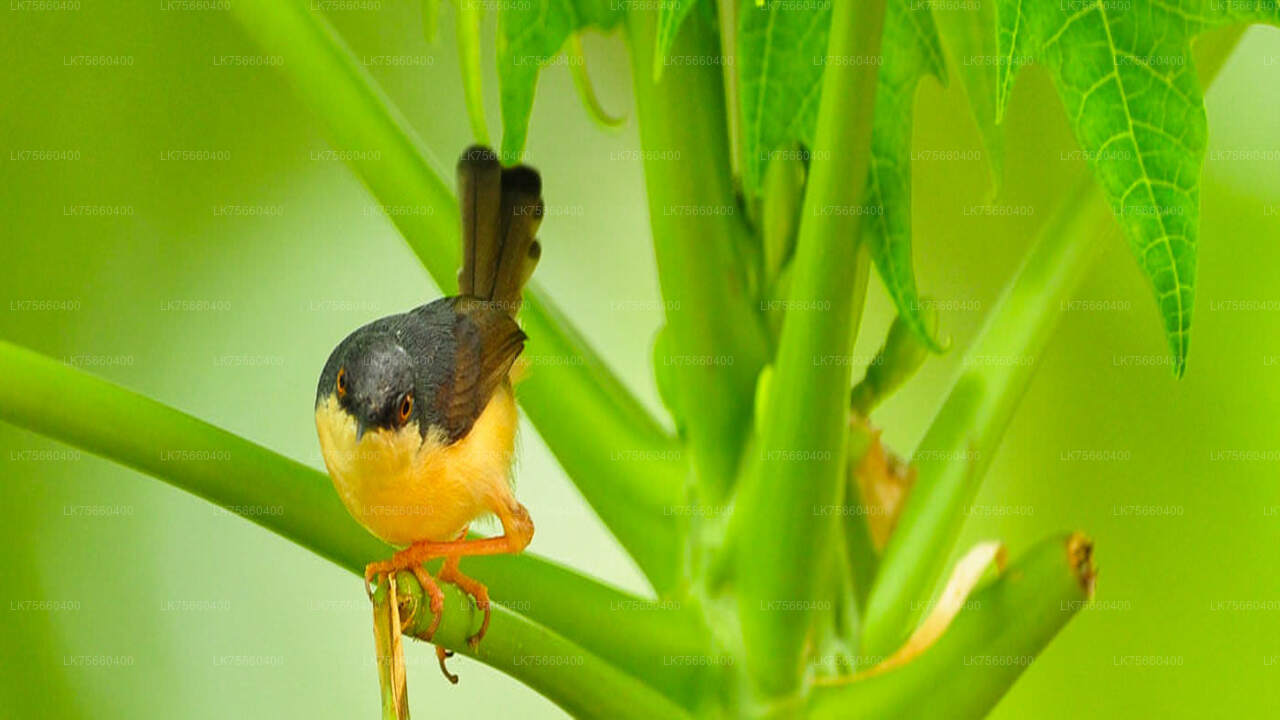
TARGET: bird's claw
(442,654)
(478,593)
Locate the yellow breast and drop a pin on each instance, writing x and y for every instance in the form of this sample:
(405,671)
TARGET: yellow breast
(404,488)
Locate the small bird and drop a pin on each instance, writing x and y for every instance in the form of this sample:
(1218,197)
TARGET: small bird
(416,413)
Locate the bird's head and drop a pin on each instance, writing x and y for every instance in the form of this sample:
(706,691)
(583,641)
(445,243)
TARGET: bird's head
(371,377)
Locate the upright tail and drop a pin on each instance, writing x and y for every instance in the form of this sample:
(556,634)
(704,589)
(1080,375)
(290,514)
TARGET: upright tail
(501,211)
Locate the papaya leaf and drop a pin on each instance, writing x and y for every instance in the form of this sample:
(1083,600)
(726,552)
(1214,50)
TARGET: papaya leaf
(1125,75)
(968,33)
(781,48)
(530,35)
(671,15)
(913,52)
(782,51)
(582,83)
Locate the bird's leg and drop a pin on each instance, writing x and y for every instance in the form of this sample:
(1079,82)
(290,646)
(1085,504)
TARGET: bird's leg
(517,531)
(435,595)
(442,655)
(476,589)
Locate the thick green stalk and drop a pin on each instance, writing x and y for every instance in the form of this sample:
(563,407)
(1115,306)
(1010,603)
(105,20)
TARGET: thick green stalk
(964,435)
(784,522)
(579,682)
(570,676)
(467,37)
(566,380)
(860,548)
(300,504)
(991,641)
(699,238)
(958,446)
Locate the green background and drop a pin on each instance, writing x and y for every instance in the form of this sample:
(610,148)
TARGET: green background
(230,317)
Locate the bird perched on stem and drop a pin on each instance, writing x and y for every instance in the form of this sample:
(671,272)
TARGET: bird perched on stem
(416,413)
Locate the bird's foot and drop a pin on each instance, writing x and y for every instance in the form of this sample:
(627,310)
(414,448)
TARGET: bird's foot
(476,589)
(442,655)
(435,595)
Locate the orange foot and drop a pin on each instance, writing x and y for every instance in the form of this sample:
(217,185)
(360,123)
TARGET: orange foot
(517,532)
(429,586)
(476,589)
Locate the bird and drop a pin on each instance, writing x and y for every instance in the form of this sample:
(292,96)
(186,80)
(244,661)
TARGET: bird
(416,412)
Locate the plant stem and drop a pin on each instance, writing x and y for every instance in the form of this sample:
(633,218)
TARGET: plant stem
(860,549)
(567,378)
(984,651)
(468,40)
(958,446)
(781,534)
(567,674)
(77,408)
(698,238)
(961,441)
(727,19)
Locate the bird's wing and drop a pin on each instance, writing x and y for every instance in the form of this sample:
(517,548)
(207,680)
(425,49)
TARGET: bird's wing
(488,341)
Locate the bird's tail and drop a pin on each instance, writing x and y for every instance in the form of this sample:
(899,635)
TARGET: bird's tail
(501,211)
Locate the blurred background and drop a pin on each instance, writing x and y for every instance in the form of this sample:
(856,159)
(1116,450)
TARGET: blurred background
(174,223)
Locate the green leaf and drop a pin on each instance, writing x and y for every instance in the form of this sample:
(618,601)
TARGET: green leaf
(968,33)
(782,51)
(530,34)
(965,433)
(671,15)
(781,48)
(1124,73)
(912,51)
(582,83)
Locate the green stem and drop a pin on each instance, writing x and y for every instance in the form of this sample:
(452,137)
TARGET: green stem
(300,504)
(563,671)
(727,19)
(987,647)
(699,240)
(468,39)
(864,560)
(964,435)
(608,423)
(958,446)
(784,521)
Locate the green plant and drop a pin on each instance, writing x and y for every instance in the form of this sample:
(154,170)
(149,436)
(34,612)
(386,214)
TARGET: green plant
(768,593)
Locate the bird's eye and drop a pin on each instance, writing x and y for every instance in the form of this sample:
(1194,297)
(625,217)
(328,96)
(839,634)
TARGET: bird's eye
(406,407)
(342,381)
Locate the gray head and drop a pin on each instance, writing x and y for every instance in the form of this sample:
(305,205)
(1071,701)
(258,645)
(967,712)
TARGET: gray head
(372,376)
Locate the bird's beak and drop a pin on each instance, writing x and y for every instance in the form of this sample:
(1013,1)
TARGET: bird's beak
(361,426)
